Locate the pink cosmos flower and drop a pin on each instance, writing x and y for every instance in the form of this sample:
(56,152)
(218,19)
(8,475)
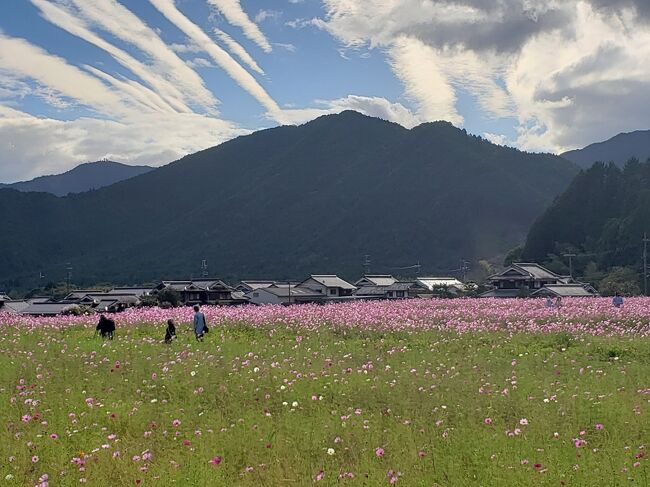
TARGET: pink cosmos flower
(319,476)
(379,452)
(523,422)
(215,460)
(54,436)
(35,459)
(487,420)
(600,426)
(176,423)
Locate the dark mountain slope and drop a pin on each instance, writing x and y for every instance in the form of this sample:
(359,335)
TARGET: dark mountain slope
(602,217)
(619,150)
(291,200)
(91,175)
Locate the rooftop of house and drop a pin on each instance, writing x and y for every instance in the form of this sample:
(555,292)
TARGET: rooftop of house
(378,280)
(46,308)
(566,290)
(294,291)
(257,284)
(529,270)
(15,306)
(436,282)
(331,281)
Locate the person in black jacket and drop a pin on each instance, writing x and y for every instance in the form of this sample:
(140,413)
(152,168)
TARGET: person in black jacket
(105,327)
(170,333)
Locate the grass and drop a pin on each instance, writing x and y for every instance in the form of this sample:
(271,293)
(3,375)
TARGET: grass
(270,403)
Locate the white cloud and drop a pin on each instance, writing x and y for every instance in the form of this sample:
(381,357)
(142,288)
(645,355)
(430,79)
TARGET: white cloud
(263,15)
(67,21)
(302,23)
(498,139)
(221,57)
(418,67)
(141,139)
(116,19)
(371,106)
(24,60)
(570,71)
(239,51)
(235,15)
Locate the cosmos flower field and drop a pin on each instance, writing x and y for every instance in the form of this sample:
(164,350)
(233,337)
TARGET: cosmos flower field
(415,393)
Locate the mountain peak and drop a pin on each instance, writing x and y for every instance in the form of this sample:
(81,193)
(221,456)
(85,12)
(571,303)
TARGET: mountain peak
(619,149)
(84,177)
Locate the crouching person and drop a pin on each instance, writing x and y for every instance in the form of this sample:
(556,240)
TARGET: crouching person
(105,327)
(170,333)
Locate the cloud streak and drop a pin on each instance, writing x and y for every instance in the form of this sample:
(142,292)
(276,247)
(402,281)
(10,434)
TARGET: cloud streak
(237,49)
(64,19)
(221,57)
(235,15)
(120,22)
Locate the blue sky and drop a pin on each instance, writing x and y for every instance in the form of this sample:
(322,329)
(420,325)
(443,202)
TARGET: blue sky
(147,81)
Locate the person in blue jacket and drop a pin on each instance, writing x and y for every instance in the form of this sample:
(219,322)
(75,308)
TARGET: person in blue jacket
(200,325)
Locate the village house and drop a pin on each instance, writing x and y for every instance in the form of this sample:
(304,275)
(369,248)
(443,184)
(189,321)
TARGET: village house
(375,280)
(442,285)
(251,285)
(527,279)
(204,291)
(283,294)
(330,286)
(575,290)
(396,290)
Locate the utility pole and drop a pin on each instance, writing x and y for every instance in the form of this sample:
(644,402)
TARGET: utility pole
(68,278)
(645,263)
(366,264)
(570,256)
(464,267)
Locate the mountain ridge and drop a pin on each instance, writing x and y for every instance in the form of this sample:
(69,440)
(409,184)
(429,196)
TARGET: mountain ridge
(287,201)
(84,177)
(619,149)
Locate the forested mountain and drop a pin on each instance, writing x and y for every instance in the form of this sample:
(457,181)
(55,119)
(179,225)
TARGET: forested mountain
(619,150)
(288,201)
(91,175)
(601,217)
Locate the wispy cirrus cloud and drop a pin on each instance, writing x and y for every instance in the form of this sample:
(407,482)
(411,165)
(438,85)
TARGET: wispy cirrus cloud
(235,15)
(27,61)
(221,57)
(170,95)
(114,18)
(238,50)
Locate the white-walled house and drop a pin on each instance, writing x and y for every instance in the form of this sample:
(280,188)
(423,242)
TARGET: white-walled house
(330,286)
(283,294)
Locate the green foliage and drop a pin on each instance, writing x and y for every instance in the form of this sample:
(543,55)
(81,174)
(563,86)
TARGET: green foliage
(425,402)
(523,292)
(289,201)
(169,296)
(622,280)
(513,256)
(601,217)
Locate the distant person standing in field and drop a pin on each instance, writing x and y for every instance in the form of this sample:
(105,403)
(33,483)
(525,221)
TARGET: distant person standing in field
(618,301)
(200,325)
(549,302)
(558,302)
(105,327)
